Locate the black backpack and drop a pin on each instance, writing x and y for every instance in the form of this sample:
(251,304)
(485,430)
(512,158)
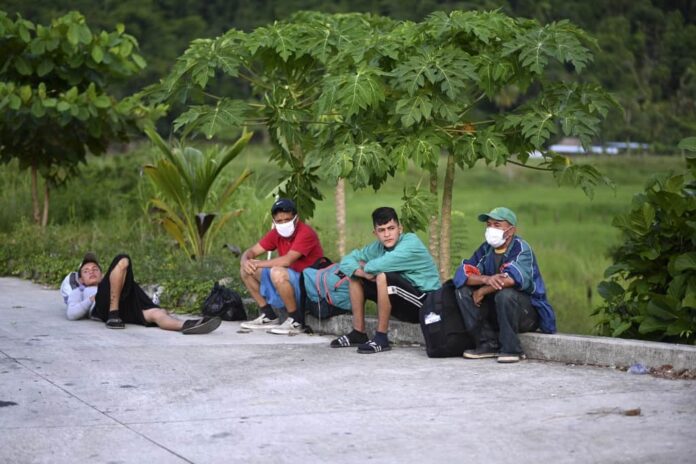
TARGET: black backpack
(442,324)
(224,303)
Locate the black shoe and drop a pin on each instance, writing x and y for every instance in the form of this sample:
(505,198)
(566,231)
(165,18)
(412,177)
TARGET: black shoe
(372,347)
(483,351)
(200,326)
(354,338)
(114,322)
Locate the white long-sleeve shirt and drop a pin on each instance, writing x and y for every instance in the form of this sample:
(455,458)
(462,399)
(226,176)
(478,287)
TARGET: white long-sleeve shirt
(80,302)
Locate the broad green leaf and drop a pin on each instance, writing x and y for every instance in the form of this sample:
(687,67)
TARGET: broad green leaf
(650,324)
(139,60)
(688,143)
(25,93)
(621,328)
(74,34)
(610,290)
(37,109)
(226,116)
(656,310)
(22,66)
(97,54)
(685,262)
(414,109)
(44,67)
(102,102)
(689,300)
(358,91)
(15,102)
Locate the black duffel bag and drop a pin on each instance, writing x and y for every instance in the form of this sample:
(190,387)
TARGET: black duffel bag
(442,324)
(224,303)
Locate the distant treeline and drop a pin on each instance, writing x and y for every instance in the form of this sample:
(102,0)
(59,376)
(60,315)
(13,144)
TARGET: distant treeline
(646,55)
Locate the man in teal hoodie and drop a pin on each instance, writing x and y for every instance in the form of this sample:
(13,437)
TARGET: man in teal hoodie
(396,271)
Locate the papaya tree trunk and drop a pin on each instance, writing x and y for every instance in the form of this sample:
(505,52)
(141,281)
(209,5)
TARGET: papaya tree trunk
(433,227)
(46,201)
(446,219)
(340,197)
(35,194)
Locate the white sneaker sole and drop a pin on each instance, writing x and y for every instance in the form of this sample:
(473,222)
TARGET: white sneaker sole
(268,326)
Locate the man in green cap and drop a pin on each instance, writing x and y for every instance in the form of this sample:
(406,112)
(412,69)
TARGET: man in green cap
(501,292)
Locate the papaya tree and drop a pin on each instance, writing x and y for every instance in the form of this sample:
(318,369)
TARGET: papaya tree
(55,104)
(359,97)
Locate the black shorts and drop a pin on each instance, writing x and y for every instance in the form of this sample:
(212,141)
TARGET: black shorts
(133,299)
(405,299)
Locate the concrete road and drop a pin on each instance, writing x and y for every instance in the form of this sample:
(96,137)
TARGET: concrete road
(76,392)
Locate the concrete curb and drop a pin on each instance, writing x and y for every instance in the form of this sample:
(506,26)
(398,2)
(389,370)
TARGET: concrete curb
(566,348)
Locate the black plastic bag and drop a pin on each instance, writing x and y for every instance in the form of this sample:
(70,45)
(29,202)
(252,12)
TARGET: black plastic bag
(224,303)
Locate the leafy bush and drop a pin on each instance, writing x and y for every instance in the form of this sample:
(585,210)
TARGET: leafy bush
(651,288)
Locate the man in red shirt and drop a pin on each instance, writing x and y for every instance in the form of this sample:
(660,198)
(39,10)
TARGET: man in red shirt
(276,282)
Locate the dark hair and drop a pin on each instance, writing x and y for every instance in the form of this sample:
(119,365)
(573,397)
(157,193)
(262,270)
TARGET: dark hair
(284,205)
(384,214)
(89,258)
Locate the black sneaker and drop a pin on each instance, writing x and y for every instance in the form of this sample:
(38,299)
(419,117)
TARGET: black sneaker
(200,326)
(354,338)
(483,351)
(115,322)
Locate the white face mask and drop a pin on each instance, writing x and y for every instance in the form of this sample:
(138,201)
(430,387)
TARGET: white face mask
(286,229)
(495,237)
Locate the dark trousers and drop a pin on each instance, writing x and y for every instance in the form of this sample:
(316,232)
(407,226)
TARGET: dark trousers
(405,299)
(500,318)
(133,299)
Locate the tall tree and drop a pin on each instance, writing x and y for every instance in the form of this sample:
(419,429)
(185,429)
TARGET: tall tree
(55,104)
(359,97)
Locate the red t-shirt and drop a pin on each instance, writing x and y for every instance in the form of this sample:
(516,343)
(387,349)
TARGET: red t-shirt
(304,241)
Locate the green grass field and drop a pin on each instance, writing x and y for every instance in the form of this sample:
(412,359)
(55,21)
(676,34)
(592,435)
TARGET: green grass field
(105,210)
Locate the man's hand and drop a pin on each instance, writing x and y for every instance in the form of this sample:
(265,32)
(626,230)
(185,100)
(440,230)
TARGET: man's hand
(477,295)
(496,281)
(360,273)
(250,266)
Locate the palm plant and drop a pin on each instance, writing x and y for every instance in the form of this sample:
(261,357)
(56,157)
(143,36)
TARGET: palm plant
(190,210)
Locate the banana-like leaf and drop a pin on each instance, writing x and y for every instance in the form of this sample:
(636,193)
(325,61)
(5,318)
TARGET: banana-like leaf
(167,180)
(233,187)
(217,226)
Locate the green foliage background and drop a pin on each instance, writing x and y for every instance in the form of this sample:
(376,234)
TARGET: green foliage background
(646,47)
(105,212)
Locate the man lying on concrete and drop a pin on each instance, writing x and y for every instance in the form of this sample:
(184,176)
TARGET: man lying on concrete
(396,271)
(275,283)
(116,299)
(501,292)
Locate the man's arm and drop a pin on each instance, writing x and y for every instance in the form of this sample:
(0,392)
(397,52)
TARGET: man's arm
(409,251)
(352,263)
(250,264)
(78,306)
(488,285)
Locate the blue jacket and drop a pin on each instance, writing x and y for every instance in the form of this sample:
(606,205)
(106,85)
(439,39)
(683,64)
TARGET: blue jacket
(521,265)
(409,257)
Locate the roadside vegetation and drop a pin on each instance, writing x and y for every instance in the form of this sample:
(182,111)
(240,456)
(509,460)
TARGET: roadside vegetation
(106,211)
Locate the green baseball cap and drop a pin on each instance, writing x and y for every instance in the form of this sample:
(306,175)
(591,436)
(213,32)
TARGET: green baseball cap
(499,214)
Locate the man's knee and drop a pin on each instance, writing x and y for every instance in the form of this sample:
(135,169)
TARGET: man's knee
(123,263)
(154,314)
(505,296)
(279,275)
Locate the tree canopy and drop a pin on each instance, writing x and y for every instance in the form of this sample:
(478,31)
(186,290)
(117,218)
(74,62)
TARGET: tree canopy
(357,96)
(643,55)
(55,103)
